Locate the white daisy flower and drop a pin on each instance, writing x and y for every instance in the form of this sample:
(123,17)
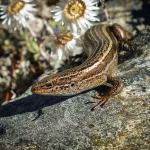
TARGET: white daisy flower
(77,15)
(17,13)
(63,45)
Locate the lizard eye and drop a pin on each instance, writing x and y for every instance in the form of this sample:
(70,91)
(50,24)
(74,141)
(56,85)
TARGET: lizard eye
(49,85)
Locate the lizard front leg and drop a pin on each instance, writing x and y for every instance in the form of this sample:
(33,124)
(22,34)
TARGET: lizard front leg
(111,88)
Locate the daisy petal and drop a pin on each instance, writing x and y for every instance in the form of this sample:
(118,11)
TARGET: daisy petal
(77,15)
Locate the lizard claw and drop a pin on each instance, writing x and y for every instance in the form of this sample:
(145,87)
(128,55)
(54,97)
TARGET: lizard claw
(101,102)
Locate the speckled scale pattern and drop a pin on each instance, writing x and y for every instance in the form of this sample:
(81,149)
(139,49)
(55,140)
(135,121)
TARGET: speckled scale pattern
(101,44)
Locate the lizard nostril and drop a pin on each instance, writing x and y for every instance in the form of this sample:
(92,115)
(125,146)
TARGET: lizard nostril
(33,89)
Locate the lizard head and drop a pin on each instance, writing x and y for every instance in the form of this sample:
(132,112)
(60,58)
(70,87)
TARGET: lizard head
(57,85)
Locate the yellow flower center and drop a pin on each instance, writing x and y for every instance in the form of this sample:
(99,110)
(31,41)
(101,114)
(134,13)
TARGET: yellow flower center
(63,38)
(74,9)
(15,7)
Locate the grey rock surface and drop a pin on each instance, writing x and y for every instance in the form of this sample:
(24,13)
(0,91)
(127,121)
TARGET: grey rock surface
(68,123)
(33,122)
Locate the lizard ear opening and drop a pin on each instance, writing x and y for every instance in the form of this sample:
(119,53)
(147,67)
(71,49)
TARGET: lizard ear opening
(72,84)
(120,33)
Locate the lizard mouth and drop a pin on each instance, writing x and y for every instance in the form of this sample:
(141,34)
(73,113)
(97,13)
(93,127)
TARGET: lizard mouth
(38,88)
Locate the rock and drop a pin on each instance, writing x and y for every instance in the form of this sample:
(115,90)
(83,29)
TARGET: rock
(63,123)
(68,123)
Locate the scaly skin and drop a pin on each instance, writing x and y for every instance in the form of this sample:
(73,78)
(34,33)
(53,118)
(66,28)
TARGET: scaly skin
(101,43)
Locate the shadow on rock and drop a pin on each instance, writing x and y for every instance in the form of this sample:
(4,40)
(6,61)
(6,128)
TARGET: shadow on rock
(29,104)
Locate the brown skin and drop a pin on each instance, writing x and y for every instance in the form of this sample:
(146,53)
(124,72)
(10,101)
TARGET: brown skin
(101,43)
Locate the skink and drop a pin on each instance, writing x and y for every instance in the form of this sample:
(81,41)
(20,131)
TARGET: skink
(101,43)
